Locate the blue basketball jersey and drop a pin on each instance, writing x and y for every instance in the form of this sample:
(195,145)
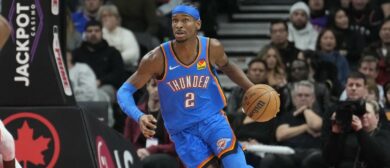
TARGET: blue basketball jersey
(189,93)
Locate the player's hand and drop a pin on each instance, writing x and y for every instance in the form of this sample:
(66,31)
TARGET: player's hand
(142,153)
(356,123)
(147,125)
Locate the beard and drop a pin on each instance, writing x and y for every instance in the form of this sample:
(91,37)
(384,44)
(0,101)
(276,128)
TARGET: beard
(299,26)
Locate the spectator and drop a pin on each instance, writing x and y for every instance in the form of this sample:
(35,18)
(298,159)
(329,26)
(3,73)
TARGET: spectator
(364,19)
(373,91)
(158,151)
(276,70)
(322,72)
(356,86)
(279,40)
(381,50)
(89,12)
(300,30)
(104,60)
(326,46)
(300,72)
(73,37)
(84,87)
(140,17)
(349,42)
(364,146)
(369,66)
(117,36)
(83,80)
(257,73)
(299,129)
(318,14)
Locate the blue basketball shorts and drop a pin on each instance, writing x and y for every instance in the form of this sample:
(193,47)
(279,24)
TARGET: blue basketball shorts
(205,140)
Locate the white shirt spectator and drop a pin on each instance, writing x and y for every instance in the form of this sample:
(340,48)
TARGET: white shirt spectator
(300,30)
(83,81)
(305,38)
(124,41)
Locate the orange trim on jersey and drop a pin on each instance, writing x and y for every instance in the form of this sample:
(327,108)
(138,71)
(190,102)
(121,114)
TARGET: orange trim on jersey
(231,147)
(212,74)
(197,57)
(205,161)
(165,64)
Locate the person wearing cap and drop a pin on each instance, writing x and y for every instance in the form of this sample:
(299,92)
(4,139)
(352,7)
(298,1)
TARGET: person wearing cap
(191,97)
(300,30)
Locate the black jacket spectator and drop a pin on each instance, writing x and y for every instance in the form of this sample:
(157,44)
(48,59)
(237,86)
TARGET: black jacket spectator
(366,21)
(350,43)
(104,60)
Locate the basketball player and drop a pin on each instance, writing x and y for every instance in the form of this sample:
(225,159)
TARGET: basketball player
(191,97)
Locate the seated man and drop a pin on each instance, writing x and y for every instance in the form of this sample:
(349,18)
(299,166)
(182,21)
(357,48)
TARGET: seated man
(105,61)
(299,129)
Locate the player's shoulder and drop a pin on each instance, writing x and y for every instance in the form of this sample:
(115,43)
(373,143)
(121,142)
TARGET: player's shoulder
(216,49)
(215,42)
(153,61)
(153,55)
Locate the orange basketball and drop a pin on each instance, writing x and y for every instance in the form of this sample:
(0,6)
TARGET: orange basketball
(261,102)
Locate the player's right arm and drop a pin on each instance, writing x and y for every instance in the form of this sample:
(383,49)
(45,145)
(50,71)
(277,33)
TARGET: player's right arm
(152,64)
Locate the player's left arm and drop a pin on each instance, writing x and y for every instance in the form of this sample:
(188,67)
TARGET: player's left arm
(219,58)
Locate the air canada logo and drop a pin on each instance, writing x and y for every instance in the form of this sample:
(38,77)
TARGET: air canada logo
(36,140)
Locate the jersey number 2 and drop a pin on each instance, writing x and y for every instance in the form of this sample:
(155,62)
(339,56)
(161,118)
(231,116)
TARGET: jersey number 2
(190,100)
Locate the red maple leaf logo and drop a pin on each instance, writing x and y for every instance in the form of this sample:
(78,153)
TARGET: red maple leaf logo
(29,149)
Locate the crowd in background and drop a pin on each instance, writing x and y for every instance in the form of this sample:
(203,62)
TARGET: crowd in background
(325,52)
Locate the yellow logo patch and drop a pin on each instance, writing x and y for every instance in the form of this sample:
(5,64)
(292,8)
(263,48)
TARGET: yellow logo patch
(201,64)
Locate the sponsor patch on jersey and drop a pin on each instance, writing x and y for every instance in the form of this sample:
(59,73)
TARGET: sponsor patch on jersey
(201,64)
(222,143)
